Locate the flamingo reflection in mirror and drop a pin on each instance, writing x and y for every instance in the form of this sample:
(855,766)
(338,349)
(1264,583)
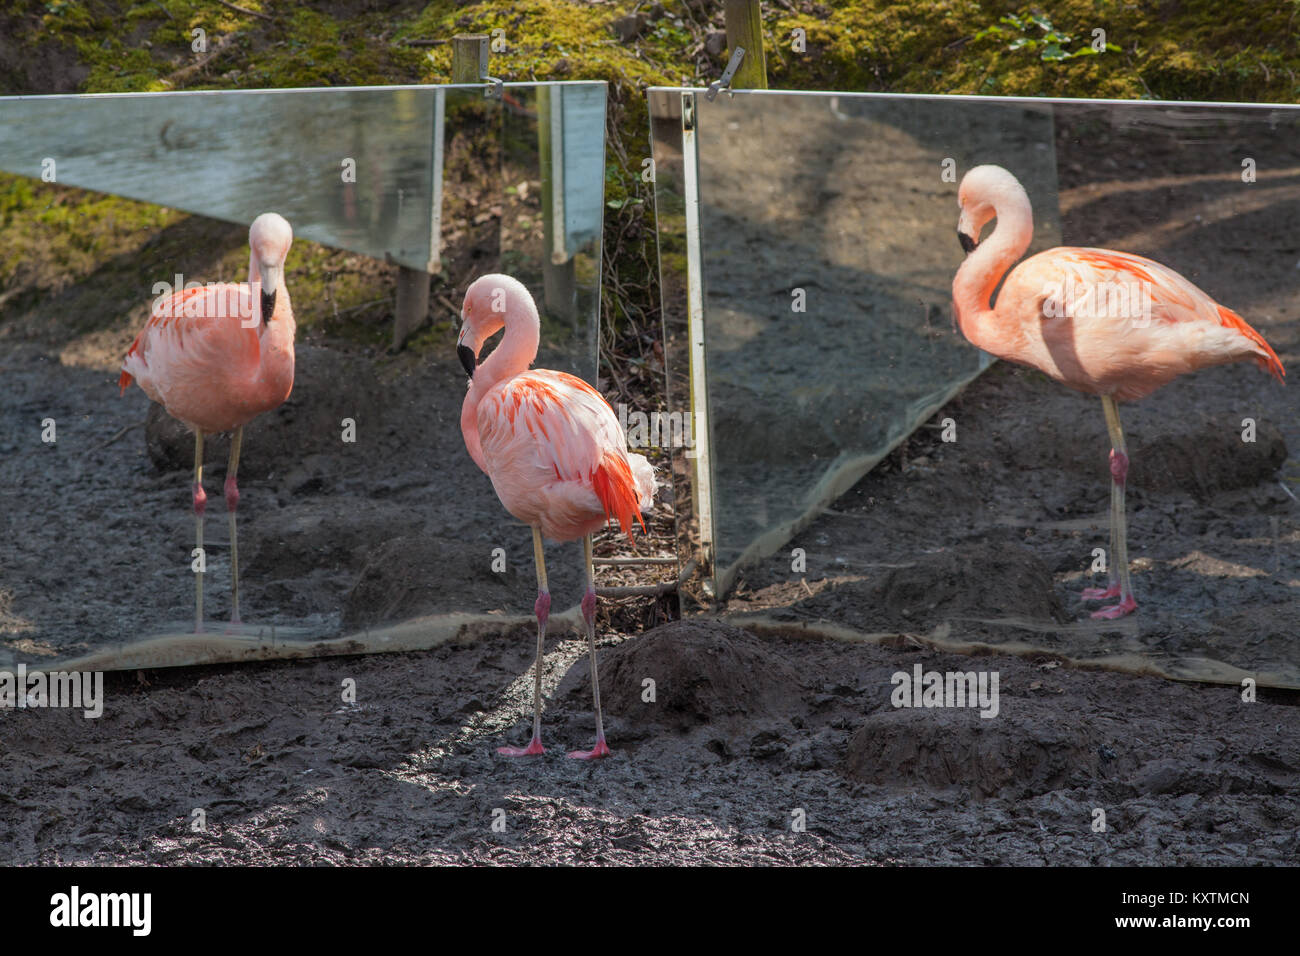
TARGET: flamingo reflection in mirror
(1107,323)
(215,358)
(554,451)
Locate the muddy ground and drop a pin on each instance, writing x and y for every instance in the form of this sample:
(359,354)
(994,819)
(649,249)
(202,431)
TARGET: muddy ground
(745,737)
(743,732)
(334,536)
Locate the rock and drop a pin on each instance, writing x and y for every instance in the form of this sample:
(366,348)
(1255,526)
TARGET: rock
(628,28)
(715,41)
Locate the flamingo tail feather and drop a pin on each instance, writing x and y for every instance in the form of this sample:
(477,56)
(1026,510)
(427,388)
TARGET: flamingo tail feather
(617,491)
(1268,361)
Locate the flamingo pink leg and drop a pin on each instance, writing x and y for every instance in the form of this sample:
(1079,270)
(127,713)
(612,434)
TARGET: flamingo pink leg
(589,618)
(232,503)
(200,506)
(1120,585)
(523,425)
(542,608)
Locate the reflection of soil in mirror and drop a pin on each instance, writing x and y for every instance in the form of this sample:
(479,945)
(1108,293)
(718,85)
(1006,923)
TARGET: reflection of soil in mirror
(975,535)
(844,199)
(109,560)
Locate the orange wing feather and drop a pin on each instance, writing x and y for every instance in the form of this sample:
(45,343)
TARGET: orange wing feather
(576,430)
(1172,288)
(1271,364)
(167,312)
(616,489)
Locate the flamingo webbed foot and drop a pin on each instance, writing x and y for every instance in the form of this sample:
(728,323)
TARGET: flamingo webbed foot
(1100,594)
(533,749)
(600,750)
(1126,606)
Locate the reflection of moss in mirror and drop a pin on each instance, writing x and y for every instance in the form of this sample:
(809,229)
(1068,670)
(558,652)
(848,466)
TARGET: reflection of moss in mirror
(98,255)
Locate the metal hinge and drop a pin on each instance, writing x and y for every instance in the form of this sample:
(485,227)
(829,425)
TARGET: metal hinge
(724,82)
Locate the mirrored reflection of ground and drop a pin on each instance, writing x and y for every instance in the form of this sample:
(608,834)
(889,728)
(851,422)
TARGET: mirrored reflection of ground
(334,537)
(992,536)
(746,735)
(828,244)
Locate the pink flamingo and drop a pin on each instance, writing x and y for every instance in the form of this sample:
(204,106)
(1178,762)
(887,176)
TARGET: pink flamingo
(1107,323)
(216,357)
(554,451)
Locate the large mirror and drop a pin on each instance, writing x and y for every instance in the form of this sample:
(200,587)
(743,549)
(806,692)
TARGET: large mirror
(841,477)
(363,524)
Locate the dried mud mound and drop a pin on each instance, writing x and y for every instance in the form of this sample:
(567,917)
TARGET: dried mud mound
(1193,454)
(981,580)
(703,671)
(1025,750)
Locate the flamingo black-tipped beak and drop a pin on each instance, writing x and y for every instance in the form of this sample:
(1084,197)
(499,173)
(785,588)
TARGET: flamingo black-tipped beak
(270,285)
(967,243)
(467,358)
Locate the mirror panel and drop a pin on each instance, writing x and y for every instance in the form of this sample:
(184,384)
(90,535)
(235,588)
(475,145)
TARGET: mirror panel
(363,522)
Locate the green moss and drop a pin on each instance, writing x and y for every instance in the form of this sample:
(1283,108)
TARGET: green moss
(1236,50)
(1197,49)
(55,236)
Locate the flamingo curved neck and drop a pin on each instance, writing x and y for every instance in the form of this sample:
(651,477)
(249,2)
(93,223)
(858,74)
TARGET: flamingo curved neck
(275,337)
(984,268)
(512,357)
(516,352)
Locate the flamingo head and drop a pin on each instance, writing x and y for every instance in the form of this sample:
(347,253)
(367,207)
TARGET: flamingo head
(489,300)
(270,237)
(982,190)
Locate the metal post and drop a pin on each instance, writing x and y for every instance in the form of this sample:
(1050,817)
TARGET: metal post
(559,279)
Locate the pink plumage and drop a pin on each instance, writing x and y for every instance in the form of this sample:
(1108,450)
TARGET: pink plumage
(217,356)
(1126,353)
(549,441)
(209,357)
(554,451)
